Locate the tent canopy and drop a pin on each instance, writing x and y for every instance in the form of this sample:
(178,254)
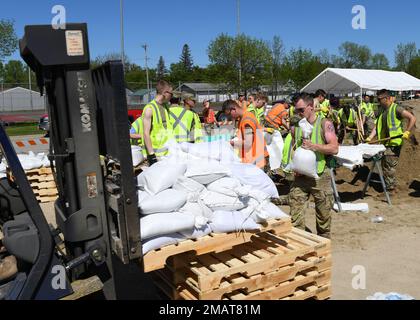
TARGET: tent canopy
(342,81)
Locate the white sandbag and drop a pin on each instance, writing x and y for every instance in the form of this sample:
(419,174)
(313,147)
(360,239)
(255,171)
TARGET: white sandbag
(253,176)
(225,186)
(349,156)
(355,207)
(161,241)
(306,128)
(268,211)
(217,201)
(275,150)
(44,159)
(249,191)
(189,186)
(206,172)
(137,155)
(197,209)
(160,176)
(29,161)
(250,206)
(225,221)
(370,150)
(218,150)
(304,162)
(169,200)
(2,167)
(165,223)
(142,196)
(196,233)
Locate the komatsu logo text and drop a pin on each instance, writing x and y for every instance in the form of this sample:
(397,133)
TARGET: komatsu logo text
(85,115)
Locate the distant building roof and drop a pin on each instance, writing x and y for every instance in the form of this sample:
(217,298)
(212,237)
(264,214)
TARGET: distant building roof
(19,89)
(142,92)
(202,86)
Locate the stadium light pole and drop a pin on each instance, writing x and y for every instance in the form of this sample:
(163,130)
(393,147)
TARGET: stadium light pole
(122,32)
(238,31)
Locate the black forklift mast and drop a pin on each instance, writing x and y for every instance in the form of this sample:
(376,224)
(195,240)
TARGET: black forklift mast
(97,207)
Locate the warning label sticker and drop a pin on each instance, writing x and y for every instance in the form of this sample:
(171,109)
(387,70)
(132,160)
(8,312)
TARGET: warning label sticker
(74,42)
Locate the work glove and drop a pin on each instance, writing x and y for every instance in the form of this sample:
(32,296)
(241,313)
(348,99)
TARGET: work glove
(406,135)
(368,139)
(269,130)
(325,109)
(151,158)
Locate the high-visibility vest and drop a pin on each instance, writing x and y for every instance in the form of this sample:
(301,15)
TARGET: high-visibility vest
(326,103)
(196,129)
(258,113)
(181,120)
(317,138)
(395,127)
(291,111)
(351,121)
(275,115)
(367,109)
(258,152)
(287,150)
(161,130)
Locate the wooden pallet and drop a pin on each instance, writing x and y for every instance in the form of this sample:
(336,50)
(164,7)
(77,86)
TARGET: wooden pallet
(40,171)
(40,178)
(266,253)
(155,260)
(47,199)
(311,292)
(248,284)
(306,285)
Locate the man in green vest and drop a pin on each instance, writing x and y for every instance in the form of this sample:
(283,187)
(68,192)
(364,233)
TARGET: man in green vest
(324,103)
(154,127)
(347,117)
(258,107)
(323,141)
(196,131)
(181,119)
(368,114)
(389,131)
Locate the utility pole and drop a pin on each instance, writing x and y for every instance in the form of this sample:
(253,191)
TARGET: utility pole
(147,70)
(238,31)
(30,88)
(122,32)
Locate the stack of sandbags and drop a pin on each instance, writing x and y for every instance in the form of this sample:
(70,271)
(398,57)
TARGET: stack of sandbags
(192,195)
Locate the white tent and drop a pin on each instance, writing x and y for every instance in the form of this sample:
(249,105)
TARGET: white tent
(341,81)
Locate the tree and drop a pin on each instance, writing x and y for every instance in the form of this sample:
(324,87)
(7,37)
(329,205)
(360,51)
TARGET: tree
(161,70)
(277,57)
(227,54)
(15,72)
(301,66)
(324,57)
(413,67)
(354,55)
(186,59)
(8,39)
(112,56)
(404,54)
(379,61)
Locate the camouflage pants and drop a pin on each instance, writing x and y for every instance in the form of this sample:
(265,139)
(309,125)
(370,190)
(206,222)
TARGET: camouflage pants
(389,167)
(369,126)
(302,188)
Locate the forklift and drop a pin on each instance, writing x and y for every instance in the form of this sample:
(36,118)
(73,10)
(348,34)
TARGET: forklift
(98,225)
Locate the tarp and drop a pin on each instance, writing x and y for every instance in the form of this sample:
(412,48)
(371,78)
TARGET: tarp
(337,81)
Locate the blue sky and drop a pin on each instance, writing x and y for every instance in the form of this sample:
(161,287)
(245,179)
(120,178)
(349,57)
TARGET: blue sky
(166,25)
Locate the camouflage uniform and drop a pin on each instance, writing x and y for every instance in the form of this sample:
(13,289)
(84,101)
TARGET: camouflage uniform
(302,188)
(389,166)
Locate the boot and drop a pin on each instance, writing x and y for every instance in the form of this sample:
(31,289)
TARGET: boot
(8,268)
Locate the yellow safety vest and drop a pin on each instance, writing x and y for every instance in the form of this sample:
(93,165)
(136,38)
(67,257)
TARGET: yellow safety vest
(351,121)
(394,127)
(161,131)
(197,129)
(181,120)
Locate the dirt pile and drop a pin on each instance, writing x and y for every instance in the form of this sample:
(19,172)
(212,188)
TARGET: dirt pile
(408,170)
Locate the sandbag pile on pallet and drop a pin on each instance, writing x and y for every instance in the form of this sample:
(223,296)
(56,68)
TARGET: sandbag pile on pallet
(202,189)
(291,266)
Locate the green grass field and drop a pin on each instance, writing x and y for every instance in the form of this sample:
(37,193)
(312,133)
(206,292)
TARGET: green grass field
(23,129)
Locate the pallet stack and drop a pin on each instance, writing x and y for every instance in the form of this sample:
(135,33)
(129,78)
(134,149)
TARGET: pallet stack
(292,266)
(43,185)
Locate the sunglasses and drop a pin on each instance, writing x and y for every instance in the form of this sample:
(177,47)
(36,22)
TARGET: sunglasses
(300,110)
